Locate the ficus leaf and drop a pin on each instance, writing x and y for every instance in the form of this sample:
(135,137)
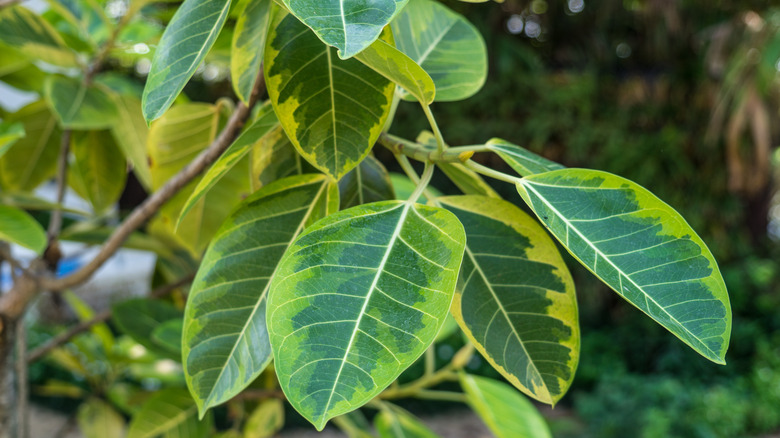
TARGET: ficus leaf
(32,159)
(98,170)
(369,182)
(170,413)
(79,106)
(16,226)
(97,419)
(10,133)
(393,64)
(640,247)
(27,31)
(248,44)
(520,159)
(394,422)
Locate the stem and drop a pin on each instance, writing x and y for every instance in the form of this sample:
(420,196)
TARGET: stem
(484,170)
(423,153)
(412,174)
(452,396)
(22,401)
(430,360)
(440,145)
(55,223)
(448,372)
(422,184)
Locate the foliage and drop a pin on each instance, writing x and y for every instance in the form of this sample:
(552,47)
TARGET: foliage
(304,258)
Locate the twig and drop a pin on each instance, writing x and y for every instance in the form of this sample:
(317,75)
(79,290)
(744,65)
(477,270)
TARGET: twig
(103,316)
(55,224)
(8,3)
(146,210)
(22,404)
(259,394)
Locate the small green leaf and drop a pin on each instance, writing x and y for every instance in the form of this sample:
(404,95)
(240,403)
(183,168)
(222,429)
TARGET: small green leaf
(32,159)
(507,413)
(97,419)
(170,413)
(523,161)
(184,44)
(641,248)
(369,182)
(139,318)
(332,110)
(357,299)
(225,342)
(78,106)
(16,226)
(393,64)
(516,300)
(445,45)
(265,420)
(237,151)
(33,36)
(246,52)
(348,25)
(10,133)
(395,422)
(130,133)
(168,336)
(98,169)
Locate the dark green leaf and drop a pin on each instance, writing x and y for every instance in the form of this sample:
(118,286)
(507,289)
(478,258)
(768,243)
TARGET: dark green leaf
(139,318)
(369,182)
(246,51)
(78,106)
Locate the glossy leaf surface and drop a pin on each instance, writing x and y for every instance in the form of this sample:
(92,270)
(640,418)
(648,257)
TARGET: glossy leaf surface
(507,413)
(445,45)
(98,169)
(32,159)
(357,299)
(523,161)
(246,51)
(369,182)
(516,300)
(16,226)
(33,36)
(641,248)
(225,342)
(332,110)
(393,64)
(184,44)
(170,413)
(78,106)
(348,25)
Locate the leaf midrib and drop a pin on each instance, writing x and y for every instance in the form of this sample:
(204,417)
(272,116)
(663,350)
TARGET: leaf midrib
(528,184)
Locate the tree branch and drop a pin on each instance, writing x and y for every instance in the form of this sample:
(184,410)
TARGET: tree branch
(103,316)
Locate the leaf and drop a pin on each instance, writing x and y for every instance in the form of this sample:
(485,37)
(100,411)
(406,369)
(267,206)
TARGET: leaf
(395,422)
(445,45)
(275,158)
(248,44)
(184,44)
(507,413)
(10,133)
(140,317)
(332,110)
(98,170)
(78,106)
(170,413)
(32,159)
(85,313)
(523,161)
(357,299)
(369,182)
(348,25)
(225,341)
(97,419)
(33,36)
(641,248)
(175,140)
(16,226)
(393,64)
(168,336)
(130,133)
(265,420)
(516,299)
(237,151)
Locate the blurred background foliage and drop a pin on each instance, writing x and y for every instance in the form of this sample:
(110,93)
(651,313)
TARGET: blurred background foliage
(681,96)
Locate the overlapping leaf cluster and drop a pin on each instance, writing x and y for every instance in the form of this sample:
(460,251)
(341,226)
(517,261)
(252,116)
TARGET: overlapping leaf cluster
(314,259)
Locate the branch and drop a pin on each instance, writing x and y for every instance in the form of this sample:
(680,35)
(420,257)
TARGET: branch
(103,316)
(400,146)
(8,3)
(55,223)
(152,204)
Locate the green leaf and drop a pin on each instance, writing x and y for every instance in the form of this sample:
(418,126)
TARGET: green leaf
(445,45)
(130,133)
(235,153)
(175,140)
(170,413)
(10,133)
(523,161)
(507,413)
(33,36)
(184,44)
(265,420)
(85,313)
(357,299)
(225,343)
(369,182)
(395,422)
(98,170)
(393,64)
(97,419)
(78,106)
(248,44)
(516,301)
(16,226)
(641,248)
(139,318)
(32,159)
(276,158)
(348,25)
(332,110)
(168,336)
